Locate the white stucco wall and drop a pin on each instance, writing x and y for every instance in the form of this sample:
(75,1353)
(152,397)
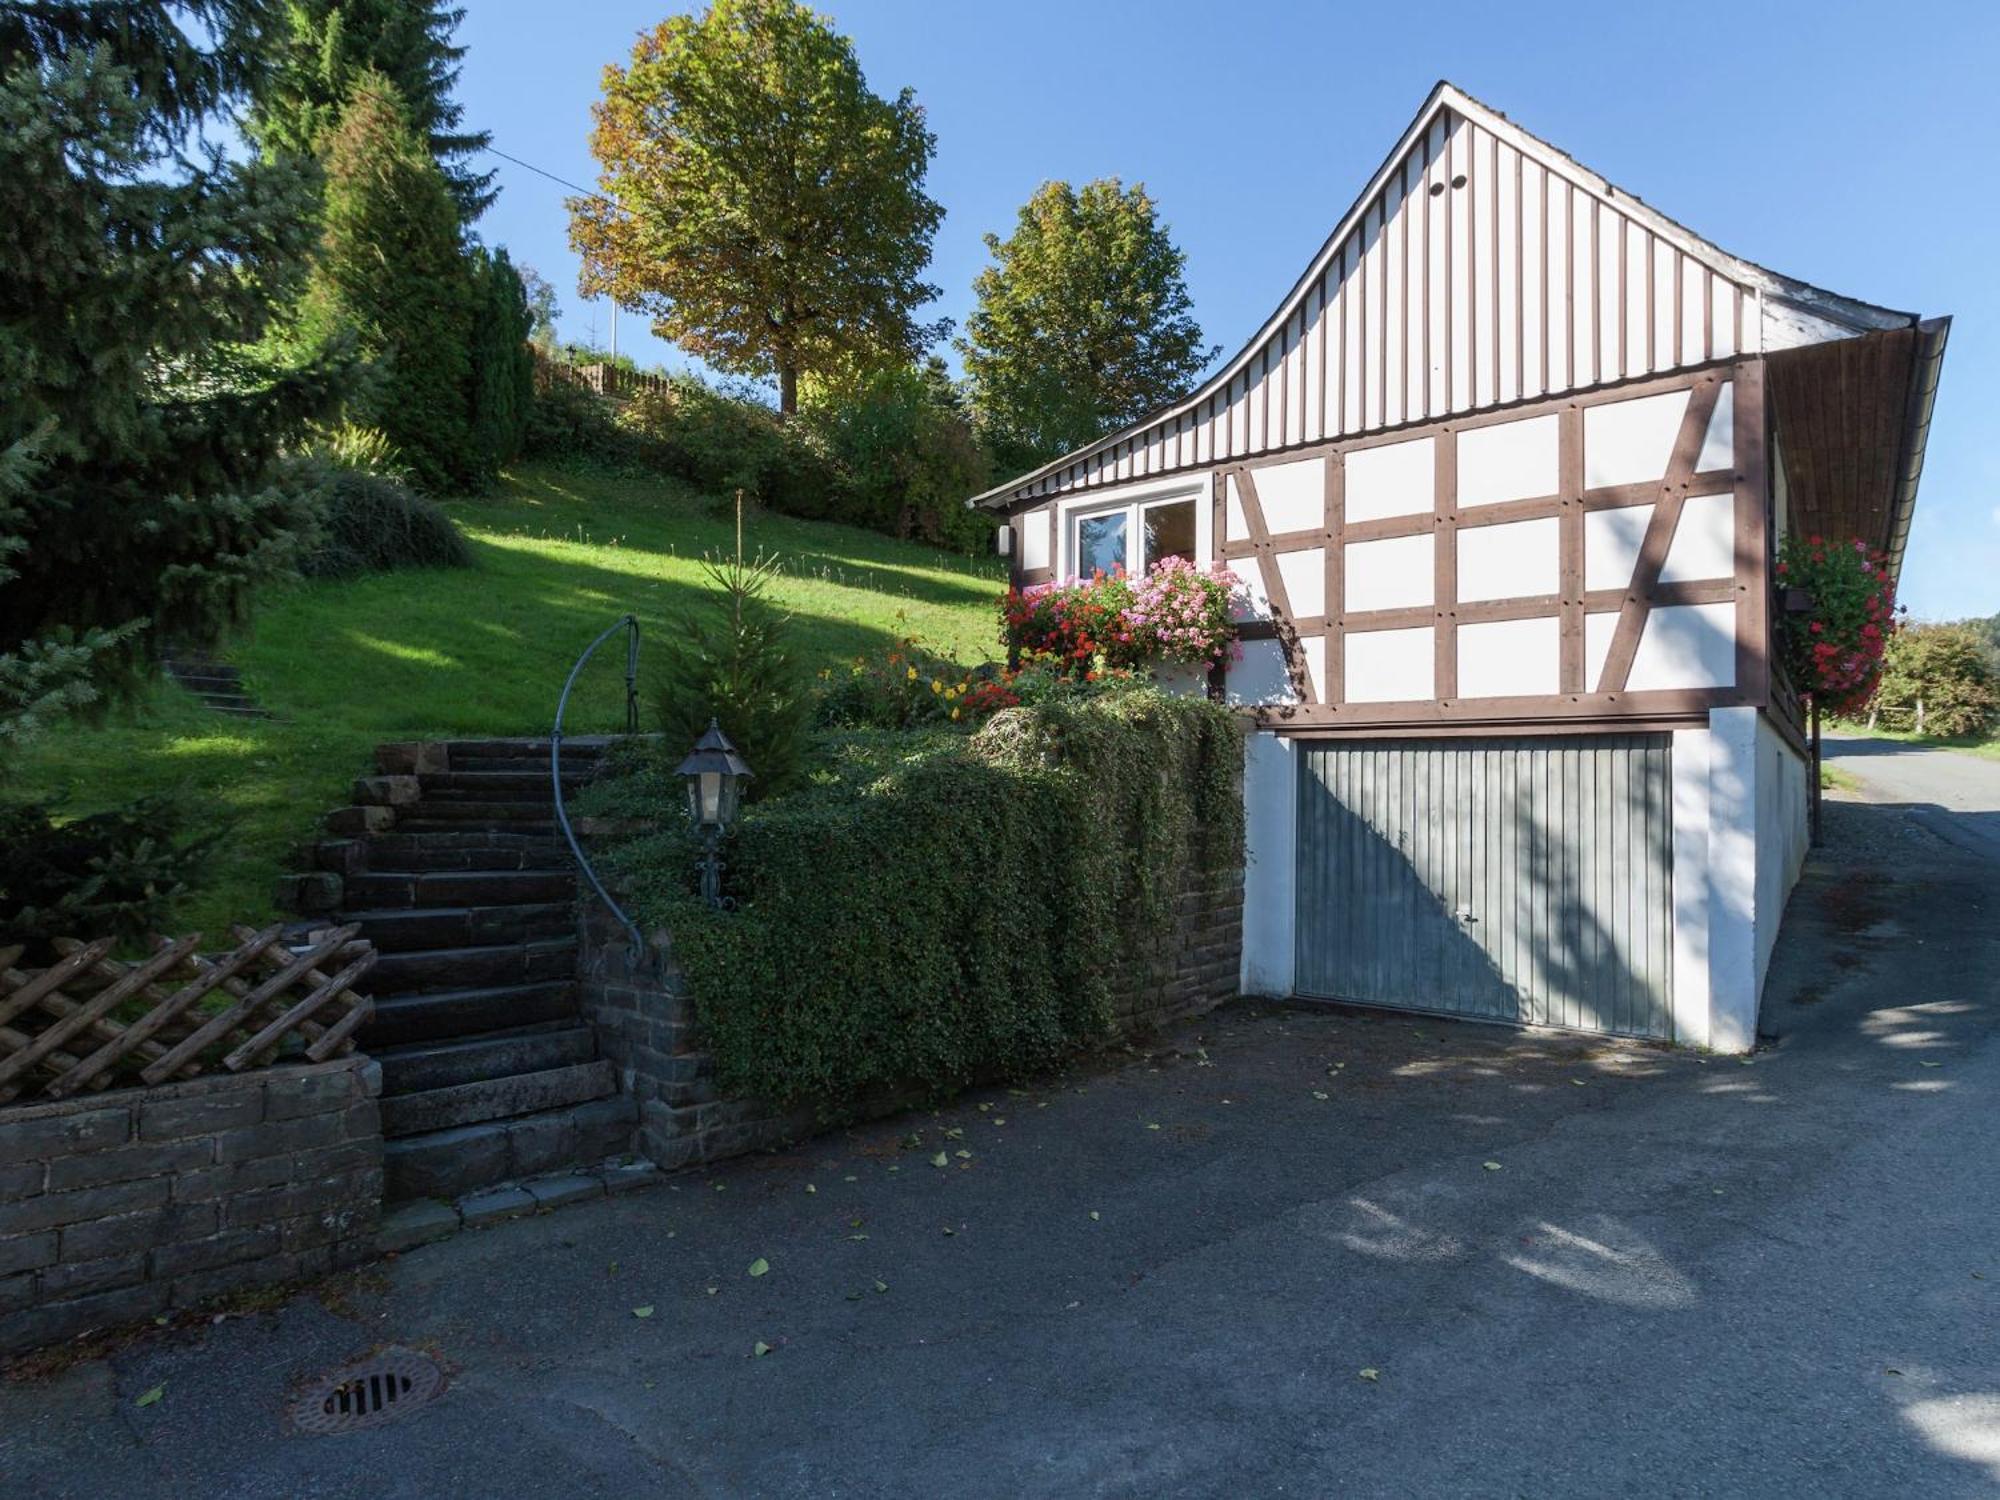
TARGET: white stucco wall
(1270,836)
(1739,843)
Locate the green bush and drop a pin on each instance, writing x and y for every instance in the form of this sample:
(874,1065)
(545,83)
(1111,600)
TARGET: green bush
(722,442)
(569,422)
(371,523)
(110,874)
(1949,670)
(907,455)
(937,907)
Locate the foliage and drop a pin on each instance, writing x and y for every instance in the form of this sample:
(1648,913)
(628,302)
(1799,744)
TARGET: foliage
(323,50)
(391,271)
(137,426)
(1947,669)
(906,686)
(503,367)
(542,309)
(936,908)
(1176,613)
(742,674)
(760,203)
(723,442)
(1083,321)
(1833,651)
(106,874)
(906,452)
(569,422)
(372,523)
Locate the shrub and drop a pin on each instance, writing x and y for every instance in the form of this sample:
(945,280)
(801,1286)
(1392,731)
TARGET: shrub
(906,454)
(937,907)
(740,673)
(372,523)
(1939,679)
(722,442)
(108,874)
(566,421)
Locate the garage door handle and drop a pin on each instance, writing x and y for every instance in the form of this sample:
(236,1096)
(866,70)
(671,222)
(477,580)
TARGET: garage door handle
(1465,915)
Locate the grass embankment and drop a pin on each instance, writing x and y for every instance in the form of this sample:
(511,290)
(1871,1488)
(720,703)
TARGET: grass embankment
(483,651)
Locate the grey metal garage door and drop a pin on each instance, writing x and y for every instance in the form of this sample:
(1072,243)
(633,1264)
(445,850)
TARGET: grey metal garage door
(1509,879)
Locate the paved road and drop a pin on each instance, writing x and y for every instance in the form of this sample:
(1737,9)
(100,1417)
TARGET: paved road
(1953,793)
(1678,1276)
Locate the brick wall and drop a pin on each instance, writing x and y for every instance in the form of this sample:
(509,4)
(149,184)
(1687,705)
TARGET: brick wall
(639,1005)
(126,1204)
(1196,968)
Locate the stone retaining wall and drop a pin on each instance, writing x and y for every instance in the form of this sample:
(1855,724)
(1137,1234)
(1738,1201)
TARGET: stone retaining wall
(132,1202)
(644,1018)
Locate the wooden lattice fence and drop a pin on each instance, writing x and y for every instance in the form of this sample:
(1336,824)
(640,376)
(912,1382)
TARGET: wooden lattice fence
(89,1021)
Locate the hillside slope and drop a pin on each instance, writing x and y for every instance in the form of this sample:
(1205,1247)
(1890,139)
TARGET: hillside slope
(483,651)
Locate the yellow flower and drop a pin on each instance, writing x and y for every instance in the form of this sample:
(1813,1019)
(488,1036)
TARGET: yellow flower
(936,686)
(954,713)
(913,674)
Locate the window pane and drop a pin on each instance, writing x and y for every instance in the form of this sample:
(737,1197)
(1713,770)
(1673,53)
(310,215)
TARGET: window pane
(1170,531)
(1100,544)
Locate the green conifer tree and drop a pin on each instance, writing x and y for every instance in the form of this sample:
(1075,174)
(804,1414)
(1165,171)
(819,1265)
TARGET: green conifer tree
(138,267)
(392,270)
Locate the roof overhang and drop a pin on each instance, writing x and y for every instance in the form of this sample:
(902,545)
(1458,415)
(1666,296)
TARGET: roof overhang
(1852,418)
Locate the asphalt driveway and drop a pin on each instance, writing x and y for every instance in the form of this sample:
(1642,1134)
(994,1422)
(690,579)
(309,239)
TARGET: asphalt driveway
(1292,1252)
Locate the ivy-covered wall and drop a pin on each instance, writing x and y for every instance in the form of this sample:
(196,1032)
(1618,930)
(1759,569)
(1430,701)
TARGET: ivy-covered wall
(940,907)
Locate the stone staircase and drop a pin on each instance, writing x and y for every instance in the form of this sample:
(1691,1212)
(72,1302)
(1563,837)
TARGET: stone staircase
(451,862)
(216,683)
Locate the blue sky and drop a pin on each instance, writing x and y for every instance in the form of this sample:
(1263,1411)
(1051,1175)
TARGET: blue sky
(1853,146)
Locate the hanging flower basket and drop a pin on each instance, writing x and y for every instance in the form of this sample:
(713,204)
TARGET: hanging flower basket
(1840,609)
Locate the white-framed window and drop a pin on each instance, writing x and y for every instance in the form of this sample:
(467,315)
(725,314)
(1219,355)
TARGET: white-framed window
(1135,534)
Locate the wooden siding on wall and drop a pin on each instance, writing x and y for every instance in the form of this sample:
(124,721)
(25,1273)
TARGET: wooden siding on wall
(1476,275)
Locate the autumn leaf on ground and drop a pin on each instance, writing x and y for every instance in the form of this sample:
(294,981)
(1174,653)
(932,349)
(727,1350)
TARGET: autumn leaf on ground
(152,1397)
(1095,1216)
(643,1312)
(1319,1095)
(940,1160)
(759,1266)
(1492,1166)
(760,1349)
(881,1286)
(1371,1374)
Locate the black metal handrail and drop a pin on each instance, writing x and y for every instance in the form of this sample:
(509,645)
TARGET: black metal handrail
(630,625)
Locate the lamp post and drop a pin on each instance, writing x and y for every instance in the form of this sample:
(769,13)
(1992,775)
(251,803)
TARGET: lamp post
(714,774)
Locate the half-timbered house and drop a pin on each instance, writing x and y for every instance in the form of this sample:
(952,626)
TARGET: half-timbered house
(1504,474)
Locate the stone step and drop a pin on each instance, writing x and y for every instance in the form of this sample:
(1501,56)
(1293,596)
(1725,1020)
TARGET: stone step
(461,849)
(471,887)
(459,1015)
(482,813)
(450,1163)
(427,969)
(498,786)
(486,1099)
(404,929)
(421,1066)
(471,755)
(202,682)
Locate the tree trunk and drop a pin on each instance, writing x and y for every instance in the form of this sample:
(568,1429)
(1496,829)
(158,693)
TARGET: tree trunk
(788,389)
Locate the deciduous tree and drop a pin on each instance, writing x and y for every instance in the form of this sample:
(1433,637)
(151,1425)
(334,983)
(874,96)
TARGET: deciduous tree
(761,204)
(1083,323)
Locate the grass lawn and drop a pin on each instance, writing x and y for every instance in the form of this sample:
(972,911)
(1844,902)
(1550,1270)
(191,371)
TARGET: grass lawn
(1987,744)
(483,651)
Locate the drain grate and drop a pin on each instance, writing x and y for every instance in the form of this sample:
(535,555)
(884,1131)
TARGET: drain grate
(369,1392)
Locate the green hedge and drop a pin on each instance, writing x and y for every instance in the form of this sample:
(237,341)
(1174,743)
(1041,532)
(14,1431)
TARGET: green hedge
(940,907)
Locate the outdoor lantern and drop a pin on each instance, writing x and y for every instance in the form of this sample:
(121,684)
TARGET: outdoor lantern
(714,774)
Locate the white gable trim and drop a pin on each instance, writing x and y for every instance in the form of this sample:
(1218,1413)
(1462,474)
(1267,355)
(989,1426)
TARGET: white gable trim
(1227,417)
